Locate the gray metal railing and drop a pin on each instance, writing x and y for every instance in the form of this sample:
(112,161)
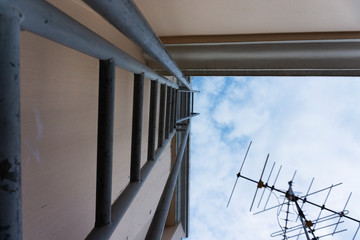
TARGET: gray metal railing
(158,223)
(44,19)
(126,17)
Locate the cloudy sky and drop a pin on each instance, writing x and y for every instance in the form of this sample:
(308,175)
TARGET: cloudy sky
(311,125)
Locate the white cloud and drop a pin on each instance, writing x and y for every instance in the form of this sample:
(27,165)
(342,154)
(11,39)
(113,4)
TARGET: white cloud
(308,124)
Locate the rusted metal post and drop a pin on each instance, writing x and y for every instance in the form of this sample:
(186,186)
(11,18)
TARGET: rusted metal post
(10,161)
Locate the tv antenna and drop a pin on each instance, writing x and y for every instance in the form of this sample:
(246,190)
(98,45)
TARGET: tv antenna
(291,208)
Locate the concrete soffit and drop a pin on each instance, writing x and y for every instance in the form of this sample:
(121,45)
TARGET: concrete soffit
(289,54)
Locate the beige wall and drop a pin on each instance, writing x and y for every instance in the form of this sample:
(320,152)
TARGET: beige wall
(59,95)
(86,16)
(137,219)
(215,17)
(59,124)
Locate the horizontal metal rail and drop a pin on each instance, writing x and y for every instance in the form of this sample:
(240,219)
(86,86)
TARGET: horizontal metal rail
(191,91)
(128,19)
(46,20)
(280,58)
(158,223)
(188,117)
(123,202)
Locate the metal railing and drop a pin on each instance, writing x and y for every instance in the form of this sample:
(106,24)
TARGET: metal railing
(46,20)
(125,16)
(43,19)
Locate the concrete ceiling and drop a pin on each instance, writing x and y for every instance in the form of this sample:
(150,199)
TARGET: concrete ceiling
(224,17)
(257,37)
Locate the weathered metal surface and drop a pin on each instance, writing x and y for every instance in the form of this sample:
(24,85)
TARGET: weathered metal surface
(138,102)
(187,118)
(10,161)
(158,223)
(162,116)
(338,57)
(126,17)
(152,120)
(105,142)
(45,20)
(168,111)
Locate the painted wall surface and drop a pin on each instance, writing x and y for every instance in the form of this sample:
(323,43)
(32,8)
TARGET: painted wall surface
(210,17)
(59,103)
(137,219)
(59,125)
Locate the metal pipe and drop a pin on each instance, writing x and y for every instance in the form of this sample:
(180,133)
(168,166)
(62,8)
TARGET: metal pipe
(182,189)
(105,142)
(162,116)
(128,19)
(156,228)
(171,110)
(183,105)
(187,184)
(188,113)
(192,102)
(178,105)
(184,90)
(188,117)
(137,118)
(173,104)
(152,120)
(280,58)
(45,20)
(168,111)
(123,202)
(173,119)
(10,161)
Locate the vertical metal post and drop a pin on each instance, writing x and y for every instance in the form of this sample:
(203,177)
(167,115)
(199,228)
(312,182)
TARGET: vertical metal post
(138,101)
(152,120)
(162,115)
(192,102)
(10,161)
(168,112)
(172,109)
(105,142)
(183,105)
(187,104)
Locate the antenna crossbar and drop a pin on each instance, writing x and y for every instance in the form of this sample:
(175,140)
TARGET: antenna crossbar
(291,198)
(247,151)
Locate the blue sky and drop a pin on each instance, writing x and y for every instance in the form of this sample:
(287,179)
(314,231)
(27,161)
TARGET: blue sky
(311,125)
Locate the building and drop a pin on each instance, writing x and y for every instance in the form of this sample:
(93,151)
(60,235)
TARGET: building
(83,178)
